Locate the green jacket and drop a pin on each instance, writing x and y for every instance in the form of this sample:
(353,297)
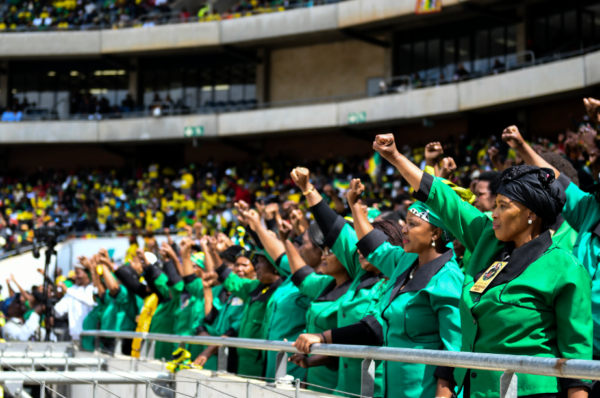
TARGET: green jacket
(224,319)
(256,296)
(423,315)
(120,311)
(285,317)
(165,317)
(582,212)
(92,322)
(563,235)
(538,305)
(360,299)
(321,316)
(191,312)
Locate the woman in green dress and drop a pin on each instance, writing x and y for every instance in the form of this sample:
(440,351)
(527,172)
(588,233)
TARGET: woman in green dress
(367,283)
(327,291)
(256,294)
(522,294)
(419,306)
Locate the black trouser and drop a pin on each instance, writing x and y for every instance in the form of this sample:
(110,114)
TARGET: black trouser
(108,345)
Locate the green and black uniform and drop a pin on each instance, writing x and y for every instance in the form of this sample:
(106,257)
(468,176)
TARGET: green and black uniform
(168,286)
(285,317)
(92,322)
(360,299)
(321,316)
(256,296)
(119,315)
(191,312)
(224,319)
(538,305)
(582,212)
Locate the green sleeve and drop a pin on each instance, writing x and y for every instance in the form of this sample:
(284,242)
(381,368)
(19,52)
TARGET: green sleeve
(240,287)
(387,257)
(195,288)
(445,297)
(578,207)
(465,222)
(344,249)
(283,267)
(161,285)
(573,310)
(176,290)
(122,297)
(313,284)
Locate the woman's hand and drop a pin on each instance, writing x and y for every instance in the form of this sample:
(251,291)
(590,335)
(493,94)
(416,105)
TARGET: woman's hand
(167,251)
(271,211)
(253,219)
(355,191)
(202,358)
(386,146)
(433,151)
(592,106)
(299,360)
(448,168)
(186,247)
(301,176)
(241,207)
(209,279)
(284,230)
(136,265)
(306,340)
(512,137)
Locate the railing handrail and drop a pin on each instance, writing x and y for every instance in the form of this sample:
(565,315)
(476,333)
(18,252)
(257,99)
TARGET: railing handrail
(555,367)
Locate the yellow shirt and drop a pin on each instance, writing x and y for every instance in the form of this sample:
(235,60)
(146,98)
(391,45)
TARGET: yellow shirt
(187,180)
(103,213)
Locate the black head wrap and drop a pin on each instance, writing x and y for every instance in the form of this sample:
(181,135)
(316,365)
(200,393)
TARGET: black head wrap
(230,254)
(536,189)
(316,236)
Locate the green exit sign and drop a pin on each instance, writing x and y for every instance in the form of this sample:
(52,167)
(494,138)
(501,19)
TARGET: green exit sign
(193,131)
(357,117)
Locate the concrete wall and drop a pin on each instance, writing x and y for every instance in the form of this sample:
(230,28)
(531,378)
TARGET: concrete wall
(543,80)
(274,26)
(324,70)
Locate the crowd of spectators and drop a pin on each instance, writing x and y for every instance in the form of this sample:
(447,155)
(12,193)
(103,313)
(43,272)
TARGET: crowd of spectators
(86,14)
(395,253)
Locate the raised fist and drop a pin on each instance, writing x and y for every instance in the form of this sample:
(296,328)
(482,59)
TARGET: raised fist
(301,176)
(356,189)
(512,137)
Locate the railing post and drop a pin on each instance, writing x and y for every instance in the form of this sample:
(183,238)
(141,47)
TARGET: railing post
(96,344)
(150,352)
(118,346)
(247,388)
(281,365)
(95,393)
(297,392)
(43,390)
(367,378)
(508,385)
(198,389)
(148,390)
(222,359)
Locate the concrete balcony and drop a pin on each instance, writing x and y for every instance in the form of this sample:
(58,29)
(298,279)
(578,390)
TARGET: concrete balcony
(273,27)
(526,84)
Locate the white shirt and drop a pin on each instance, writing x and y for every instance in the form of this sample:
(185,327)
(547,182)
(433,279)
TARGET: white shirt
(78,302)
(16,330)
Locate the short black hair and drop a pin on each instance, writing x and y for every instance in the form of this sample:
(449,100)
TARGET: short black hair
(561,164)
(494,179)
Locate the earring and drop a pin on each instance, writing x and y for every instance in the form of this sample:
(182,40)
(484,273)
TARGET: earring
(530,222)
(432,242)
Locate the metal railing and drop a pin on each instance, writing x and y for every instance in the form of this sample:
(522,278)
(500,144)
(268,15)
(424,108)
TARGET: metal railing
(509,364)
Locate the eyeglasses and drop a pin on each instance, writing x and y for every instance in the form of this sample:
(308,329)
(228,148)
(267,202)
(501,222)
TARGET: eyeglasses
(327,252)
